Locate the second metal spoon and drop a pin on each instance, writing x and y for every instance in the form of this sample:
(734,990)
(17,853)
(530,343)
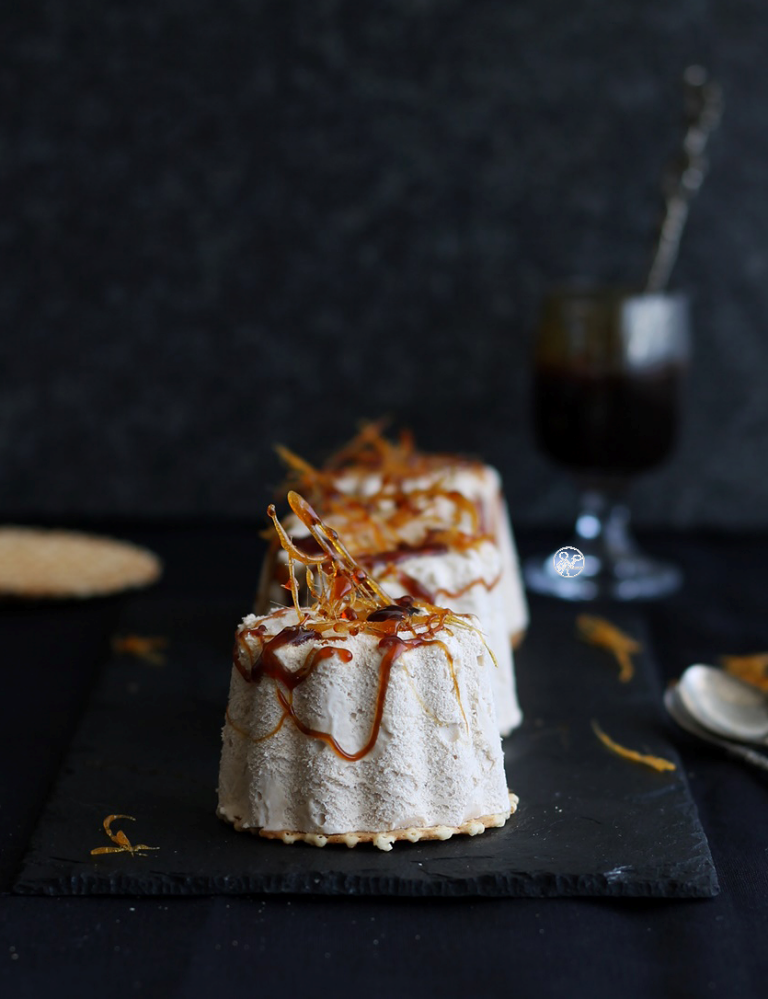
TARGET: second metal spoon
(678,712)
(724,704)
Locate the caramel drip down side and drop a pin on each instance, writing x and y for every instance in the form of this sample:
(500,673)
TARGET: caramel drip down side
(394,646)
(488,584)
(385,622)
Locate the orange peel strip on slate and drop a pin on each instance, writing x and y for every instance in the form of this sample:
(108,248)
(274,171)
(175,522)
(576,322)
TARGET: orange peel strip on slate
(752,668)
(598,631)
(655,762)
(146,647)
(121,841)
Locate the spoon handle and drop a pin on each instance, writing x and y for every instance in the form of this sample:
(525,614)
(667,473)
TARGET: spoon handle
(703,108)
(747,755)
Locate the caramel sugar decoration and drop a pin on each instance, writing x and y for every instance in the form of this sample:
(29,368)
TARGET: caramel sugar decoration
(752,668)
(374,524)
(436,517)
(598,631)
(370,447)
(394,461)
(655,762)
(302,474)
(333,555)
(345,586)
(121,841)
(146,647)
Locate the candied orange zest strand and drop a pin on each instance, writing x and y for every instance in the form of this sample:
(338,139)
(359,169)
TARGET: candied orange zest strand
(600,632)
(654,762)
(295,462)
(115,837)
(123,844)
(370,450)
(146,647)
(368,439)
(751,668)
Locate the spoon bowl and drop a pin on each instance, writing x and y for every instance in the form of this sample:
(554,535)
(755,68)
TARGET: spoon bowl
(677,711)
(724,704)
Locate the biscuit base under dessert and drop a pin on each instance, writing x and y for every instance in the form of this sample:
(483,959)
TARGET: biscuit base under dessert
(382,840)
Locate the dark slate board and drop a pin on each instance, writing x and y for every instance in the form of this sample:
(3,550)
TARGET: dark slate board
(589,823)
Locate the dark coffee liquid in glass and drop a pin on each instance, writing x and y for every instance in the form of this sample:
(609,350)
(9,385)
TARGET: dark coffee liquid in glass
(611,423)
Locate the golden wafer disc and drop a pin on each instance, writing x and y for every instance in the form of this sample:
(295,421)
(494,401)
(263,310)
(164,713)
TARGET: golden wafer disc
(40,563)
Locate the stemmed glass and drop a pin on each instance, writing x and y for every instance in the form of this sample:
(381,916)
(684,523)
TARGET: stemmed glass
(608,367)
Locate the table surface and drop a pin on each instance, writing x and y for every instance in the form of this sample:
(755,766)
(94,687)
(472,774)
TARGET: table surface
(388,947)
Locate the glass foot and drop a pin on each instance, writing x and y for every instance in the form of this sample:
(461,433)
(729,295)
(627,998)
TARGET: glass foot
(630,577)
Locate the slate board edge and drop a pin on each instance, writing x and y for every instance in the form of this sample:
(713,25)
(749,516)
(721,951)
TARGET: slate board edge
(524,885)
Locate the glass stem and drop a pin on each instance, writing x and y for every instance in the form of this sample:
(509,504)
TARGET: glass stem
(602,527)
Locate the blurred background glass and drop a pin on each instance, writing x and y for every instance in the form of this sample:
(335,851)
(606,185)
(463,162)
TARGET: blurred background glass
(607,375)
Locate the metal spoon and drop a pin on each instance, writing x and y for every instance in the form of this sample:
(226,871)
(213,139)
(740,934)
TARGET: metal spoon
(676,710)
(684,177)
(724,704)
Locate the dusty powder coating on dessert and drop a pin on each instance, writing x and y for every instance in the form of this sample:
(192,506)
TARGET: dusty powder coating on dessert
(436,762)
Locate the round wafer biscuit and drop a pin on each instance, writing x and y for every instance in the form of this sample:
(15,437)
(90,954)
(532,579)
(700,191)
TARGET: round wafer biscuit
(383,840)
(41,563)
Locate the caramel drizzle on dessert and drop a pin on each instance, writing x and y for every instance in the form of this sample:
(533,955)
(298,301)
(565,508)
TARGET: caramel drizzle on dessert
(415,588)
(347,602)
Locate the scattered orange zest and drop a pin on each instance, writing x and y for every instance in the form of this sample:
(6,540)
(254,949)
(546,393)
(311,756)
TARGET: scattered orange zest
(121,841)
(598,631)
(655,762)
(146,647)
(752,668)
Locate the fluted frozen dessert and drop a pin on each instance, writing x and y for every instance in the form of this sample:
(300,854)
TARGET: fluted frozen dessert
(362,717)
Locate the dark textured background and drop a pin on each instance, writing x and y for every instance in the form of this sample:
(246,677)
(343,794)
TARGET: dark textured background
(230,223)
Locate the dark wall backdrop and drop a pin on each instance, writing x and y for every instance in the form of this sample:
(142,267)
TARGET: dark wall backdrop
(229,223)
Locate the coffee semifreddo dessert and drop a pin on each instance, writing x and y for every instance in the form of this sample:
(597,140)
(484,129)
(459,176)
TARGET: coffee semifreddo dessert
(359,718)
